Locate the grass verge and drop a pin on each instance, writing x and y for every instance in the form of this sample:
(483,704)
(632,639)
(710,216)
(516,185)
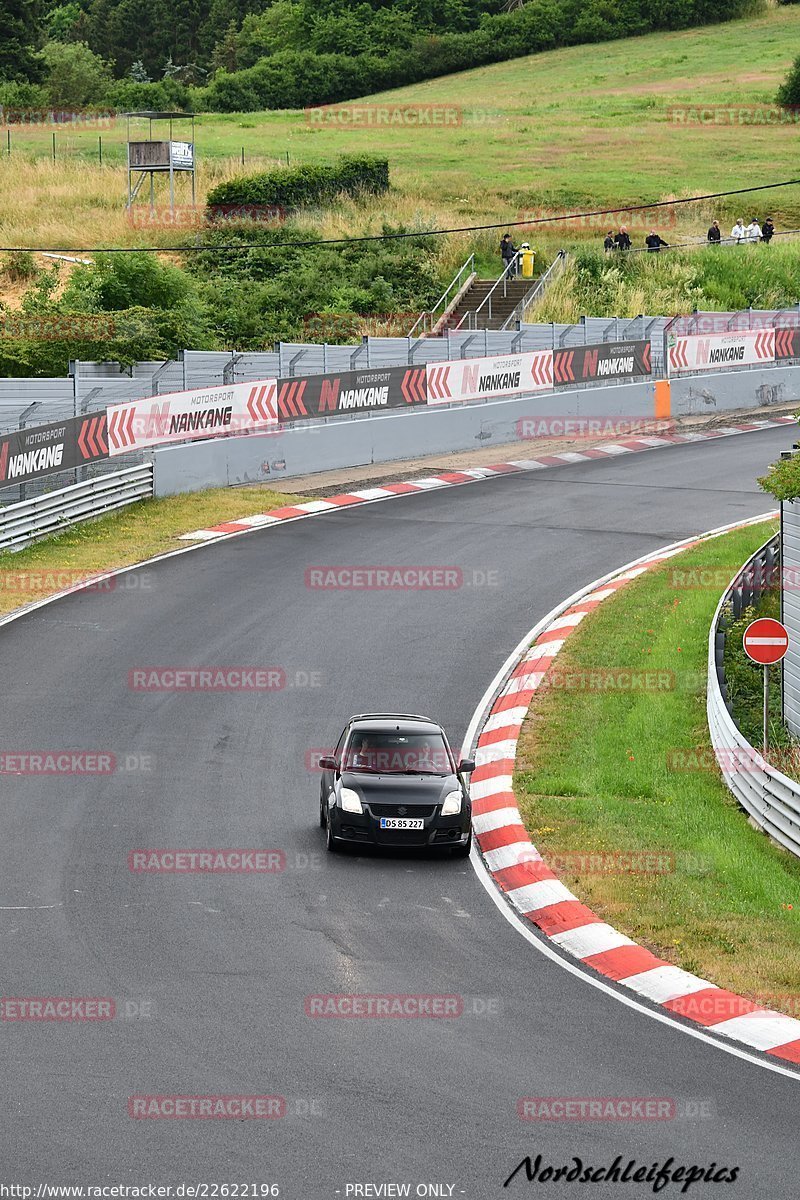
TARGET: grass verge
(596,775)
(144,529)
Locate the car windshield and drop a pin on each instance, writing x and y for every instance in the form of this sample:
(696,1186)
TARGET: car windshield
(396,753)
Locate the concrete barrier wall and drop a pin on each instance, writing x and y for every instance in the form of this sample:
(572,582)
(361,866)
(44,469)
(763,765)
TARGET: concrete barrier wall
(698,395)
(362,440)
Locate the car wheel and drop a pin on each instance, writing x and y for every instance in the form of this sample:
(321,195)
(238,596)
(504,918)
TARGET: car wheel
(331,844)
(323,821)
(463,851)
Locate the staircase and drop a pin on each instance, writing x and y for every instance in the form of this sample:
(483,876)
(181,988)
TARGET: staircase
(471,303)
(474,312)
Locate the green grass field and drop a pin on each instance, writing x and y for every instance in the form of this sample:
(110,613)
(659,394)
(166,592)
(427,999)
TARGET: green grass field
(595,776)
(588,125)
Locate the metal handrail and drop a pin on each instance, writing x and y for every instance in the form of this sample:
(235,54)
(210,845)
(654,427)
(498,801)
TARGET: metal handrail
(539,286)
(508,272)
(430,314)
(770,798)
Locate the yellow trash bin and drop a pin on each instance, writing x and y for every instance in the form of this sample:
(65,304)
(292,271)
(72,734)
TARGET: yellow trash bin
(526,260)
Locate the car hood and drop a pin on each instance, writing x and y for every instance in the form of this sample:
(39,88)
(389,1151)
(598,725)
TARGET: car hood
(401,789)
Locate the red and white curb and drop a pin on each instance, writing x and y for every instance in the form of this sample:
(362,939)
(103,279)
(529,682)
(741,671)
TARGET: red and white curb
(310,508)
(532,888)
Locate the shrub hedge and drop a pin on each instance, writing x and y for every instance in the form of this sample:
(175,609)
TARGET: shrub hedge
(290,188)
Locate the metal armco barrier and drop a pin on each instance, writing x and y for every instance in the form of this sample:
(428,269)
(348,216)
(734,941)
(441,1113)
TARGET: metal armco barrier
(770,798)
(21,524)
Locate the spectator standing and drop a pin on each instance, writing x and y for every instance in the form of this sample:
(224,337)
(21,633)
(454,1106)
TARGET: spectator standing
(654,242)
(767,230)
(739,233)
(622,239)
(714,233)
(609,243)
(753,231)
(508,252)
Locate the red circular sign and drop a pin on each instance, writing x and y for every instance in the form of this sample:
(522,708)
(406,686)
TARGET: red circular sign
(766,640)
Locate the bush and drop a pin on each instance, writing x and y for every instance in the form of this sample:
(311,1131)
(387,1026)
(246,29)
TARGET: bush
(118,281)
(377,56)
(276,290)
(127,95)
(782,480)
(291,188)
(22,96)
(74,76)
(789,91)
(745,679)
(132,335)
(20,266)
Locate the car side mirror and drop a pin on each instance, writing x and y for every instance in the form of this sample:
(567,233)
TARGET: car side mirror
(327,763)
(466,766)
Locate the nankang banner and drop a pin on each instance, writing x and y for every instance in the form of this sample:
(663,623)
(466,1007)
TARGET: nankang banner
(787,343)
(201,413)
(715,351)
(606,360)
(47,449)
(499,375)
(371,390)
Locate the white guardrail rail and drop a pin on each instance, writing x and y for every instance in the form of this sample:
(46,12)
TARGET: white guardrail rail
(29,520)
(770,798)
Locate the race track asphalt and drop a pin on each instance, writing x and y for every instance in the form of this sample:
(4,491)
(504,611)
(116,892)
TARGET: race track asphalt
(209,973)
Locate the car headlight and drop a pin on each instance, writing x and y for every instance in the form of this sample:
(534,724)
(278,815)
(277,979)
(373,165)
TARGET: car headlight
(452,804)
(349,801)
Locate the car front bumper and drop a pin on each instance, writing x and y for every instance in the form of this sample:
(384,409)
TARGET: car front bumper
(364,829)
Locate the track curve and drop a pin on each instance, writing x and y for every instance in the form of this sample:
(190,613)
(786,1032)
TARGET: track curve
(226,961)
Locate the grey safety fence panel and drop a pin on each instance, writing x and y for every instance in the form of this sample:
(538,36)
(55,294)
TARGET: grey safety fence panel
(108,369)
(770,798)
(34,402)
(204,368)
(790,607)
(26,522)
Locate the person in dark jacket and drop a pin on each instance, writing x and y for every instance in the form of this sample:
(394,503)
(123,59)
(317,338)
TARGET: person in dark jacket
(767,230)
(714,233)
(622,240)
(508,252)
(654,242)
(609,243)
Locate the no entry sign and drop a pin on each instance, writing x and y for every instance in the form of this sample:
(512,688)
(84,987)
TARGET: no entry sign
(766,641)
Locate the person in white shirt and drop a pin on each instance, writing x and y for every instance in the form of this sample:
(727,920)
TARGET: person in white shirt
(753,231)
(739,233)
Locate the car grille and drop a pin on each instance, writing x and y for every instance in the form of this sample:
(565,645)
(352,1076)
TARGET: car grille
(408,810)
(402,837)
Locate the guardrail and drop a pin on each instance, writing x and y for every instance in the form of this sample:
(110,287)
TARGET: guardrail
(26,522)
(770,798)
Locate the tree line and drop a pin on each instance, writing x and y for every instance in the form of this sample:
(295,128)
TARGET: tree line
(246,55)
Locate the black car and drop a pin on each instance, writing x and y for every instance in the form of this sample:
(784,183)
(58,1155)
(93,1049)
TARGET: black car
(393,781)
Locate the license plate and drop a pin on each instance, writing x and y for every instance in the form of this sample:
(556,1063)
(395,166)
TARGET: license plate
(402,823)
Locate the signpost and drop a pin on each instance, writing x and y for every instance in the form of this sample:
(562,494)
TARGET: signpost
(765,642)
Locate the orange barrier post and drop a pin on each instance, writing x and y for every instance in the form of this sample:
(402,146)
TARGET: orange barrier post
(663,400)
